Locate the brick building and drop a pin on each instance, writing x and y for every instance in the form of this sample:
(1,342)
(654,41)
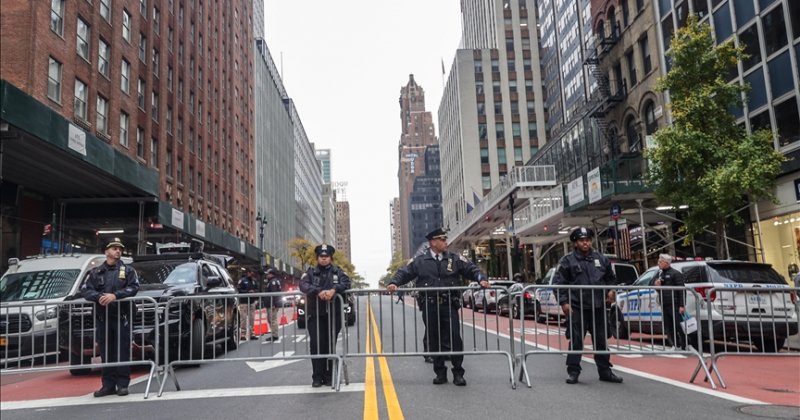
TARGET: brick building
(127,115)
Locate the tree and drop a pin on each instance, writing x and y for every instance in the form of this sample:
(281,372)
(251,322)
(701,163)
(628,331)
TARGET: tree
(303,250)
(396,264)
(705,160)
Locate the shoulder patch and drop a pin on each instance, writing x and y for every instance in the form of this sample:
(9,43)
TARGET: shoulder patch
(463,258)
(304,276)
(410,261)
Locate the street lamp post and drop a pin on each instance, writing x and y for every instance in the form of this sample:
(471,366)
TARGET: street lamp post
(262,221)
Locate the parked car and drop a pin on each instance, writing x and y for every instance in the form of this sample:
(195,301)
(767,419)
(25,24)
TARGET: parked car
(192,324)
(486,299)
(511,302)
(46,280)
(349,310)
(548,297)
(763,319)
(468,296)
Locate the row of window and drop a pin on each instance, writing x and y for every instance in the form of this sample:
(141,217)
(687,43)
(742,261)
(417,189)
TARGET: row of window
(499,130)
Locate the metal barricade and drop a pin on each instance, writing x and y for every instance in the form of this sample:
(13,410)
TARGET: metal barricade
(624,320)
(63,336)
(198,329)
(406,330)
(749,321)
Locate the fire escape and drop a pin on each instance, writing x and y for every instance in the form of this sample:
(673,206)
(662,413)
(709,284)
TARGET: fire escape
(603,99)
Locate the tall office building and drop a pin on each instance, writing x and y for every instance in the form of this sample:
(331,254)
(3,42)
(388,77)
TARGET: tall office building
(394,217)
(343,229)
(416,135)
(426,199)
(146,110)
(275,159)
(492,110)
(324,158)
(307,183)
(770,32)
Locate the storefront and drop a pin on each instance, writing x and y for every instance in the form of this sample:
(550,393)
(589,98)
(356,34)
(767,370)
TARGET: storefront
(780,227)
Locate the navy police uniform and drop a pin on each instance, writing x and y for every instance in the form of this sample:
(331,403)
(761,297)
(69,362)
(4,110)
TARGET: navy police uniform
(112,322)
(587,306)
(272,303)
(671,302)
(440,308)
(247,284)
(324,317)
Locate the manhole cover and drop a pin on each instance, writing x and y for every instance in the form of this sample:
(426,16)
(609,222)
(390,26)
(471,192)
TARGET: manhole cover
(771,411)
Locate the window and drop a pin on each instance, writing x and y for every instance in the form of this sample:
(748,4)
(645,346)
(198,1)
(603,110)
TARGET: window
(625,13)
(788,122)
(169,78)
(143,7)
(479,88)
(126,26)
(501,155)
(180,171)
(154,152)
(156,20)
(103,55)
(154,106)
(140,142)
(482,134)
(140,94)
(125,76)
(199,184)
(169,119)
(155,62)
(180,130)
(486,181)
(57,16)
(54,80)
(631,133)
(644,46)
(700,8)
(528,86)
(83,34)
(123,129)
(774,30)
(794,17)
(102,115)
(168,164)
(80,100)
(532,131)
(631,67)
(105,10)
(518,154)
(142,47)
(515,130)
(749,39)
(499,131)
(650,123)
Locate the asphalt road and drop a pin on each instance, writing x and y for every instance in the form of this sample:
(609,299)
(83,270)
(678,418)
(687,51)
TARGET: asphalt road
(395,387)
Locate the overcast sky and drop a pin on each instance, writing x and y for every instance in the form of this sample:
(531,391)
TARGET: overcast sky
(344,63)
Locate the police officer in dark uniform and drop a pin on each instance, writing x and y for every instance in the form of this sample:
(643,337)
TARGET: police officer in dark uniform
(440,268)
(672,305)
(321,283)
(585,308)
(108,282)
(272,304)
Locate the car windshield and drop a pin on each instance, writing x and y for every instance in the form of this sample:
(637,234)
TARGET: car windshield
(35,285)
(744,273)
(166,272)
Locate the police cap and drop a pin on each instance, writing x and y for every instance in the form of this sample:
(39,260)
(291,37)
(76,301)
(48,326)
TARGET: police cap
(580,233)
(324,250)
(271,271)
(114,242)
(438,233)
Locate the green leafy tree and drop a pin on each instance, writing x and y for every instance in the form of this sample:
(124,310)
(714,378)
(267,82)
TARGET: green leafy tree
(397,263)
(303,251)
(705,160)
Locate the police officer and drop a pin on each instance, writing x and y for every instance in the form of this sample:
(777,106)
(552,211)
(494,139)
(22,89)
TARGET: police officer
(672,305)
(440,268)
(247,284)
(107,283)
(585,308)
(321,283)
(272,304)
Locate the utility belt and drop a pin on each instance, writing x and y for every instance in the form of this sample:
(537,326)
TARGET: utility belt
(443,299)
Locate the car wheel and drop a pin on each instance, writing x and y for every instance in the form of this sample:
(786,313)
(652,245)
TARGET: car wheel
(77,360)
(233,334)
(769,344)
(619,328)
(197,340)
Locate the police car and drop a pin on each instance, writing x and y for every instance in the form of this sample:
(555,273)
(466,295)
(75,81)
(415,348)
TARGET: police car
(763,319)
(548,297)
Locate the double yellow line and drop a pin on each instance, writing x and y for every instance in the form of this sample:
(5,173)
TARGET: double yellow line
(370,390)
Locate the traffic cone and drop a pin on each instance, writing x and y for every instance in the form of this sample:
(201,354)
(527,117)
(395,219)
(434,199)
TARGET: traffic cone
(294,313)
(284,321)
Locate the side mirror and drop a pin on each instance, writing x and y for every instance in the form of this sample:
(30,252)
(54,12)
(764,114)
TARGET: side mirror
(213,281)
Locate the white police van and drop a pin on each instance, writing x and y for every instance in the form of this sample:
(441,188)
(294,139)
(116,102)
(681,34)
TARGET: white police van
(547,298)
(40,283)
(764,320)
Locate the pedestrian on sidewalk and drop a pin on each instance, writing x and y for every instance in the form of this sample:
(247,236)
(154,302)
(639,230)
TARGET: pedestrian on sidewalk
(273,304)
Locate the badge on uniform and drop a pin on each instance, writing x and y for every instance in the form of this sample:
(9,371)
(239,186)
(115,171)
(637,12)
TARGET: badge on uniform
(597,263)
(122,274)
(335,279)
(450,264)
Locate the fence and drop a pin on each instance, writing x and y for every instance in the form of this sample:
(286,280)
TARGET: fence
(194,330)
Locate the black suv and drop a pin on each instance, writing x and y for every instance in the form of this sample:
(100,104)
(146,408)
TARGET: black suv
(349,310)
(192,324)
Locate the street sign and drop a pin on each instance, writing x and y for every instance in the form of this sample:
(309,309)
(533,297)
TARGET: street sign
(616,210)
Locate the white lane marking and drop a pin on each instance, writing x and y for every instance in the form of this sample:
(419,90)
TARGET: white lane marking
(269,364)
(178,395)
(686,386)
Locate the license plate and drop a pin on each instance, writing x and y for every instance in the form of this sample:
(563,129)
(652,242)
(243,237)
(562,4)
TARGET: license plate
(757,300)
(3,341)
